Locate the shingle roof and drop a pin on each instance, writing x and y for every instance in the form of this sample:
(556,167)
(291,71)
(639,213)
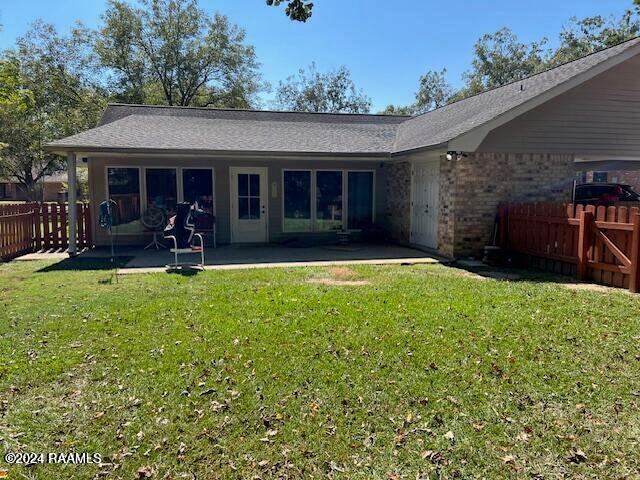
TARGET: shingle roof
(143,127)
(450,121)
(139,127)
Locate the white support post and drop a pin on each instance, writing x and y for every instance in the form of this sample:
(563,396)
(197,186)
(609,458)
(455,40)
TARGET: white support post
(72,200)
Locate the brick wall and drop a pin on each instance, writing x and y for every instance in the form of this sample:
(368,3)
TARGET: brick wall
(447,194)
(474,186)
(397,201)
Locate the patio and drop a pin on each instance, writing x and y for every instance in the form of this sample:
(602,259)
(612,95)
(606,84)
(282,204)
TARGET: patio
(228,257)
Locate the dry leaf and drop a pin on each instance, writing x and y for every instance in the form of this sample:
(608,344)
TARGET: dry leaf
(145,472)
(577,456)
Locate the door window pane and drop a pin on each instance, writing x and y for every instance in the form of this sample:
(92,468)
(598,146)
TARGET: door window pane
(249,196)
(328,201)
(124,189)
(254,207)
(162,190)
(243,211)
(254,185)
(197,185)
(297,201)
(243,184)
(360,199)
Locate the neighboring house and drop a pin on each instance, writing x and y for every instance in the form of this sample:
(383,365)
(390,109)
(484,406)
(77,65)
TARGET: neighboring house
(433,180)
(50,189)
(626,177)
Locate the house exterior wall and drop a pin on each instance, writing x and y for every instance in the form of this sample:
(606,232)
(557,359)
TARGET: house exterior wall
(473,187)
(98,188)
(599,117)
(395,216)
(13,191)
(627,177)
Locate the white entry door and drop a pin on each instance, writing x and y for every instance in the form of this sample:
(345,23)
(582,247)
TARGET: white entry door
(425,205)
(248,204)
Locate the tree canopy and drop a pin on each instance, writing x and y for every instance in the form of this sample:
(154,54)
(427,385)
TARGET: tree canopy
(500,58)
(298,10)
(312,91)
(172,52)
(47,91)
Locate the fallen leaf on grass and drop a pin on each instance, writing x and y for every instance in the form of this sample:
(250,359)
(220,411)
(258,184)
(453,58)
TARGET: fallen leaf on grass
(433,457)
(577,456)
(145,472)
(449,436)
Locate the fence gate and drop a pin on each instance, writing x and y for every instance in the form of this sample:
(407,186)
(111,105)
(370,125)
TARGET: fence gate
(601,244)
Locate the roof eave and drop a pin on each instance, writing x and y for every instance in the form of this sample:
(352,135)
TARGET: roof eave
(63,149)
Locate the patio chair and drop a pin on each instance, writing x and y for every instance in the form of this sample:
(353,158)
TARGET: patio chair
(176,265)
(181,232)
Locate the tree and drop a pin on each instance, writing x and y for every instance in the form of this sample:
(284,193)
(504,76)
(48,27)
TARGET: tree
(47,92)
(398,110)
(434,91)
(500,58)
(312,91)
(591,34)
(298,10)
(172,52)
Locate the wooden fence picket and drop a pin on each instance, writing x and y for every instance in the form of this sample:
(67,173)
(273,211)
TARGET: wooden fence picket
(600,243)
(32,226)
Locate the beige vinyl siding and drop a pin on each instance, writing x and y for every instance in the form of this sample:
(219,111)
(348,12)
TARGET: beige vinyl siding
(98,188)
(599,117)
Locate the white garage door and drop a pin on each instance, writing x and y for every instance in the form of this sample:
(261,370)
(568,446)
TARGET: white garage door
(424,204)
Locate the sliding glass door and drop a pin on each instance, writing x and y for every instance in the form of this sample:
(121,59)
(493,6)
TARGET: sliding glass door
(297,201)
(338,196)
(360,200)
(197,186)
(162,189)
(328,200)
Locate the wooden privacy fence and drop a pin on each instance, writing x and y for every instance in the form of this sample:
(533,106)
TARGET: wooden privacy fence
(40,226)
(601,244)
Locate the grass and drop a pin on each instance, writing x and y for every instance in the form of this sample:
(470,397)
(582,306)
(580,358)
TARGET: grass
(387,372)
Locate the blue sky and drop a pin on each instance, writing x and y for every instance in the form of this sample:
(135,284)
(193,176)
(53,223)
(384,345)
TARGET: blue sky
(387,44)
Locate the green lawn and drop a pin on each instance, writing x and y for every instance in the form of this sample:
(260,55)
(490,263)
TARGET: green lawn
(411,372)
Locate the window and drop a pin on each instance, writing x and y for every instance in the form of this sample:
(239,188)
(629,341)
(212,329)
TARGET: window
(124,189)
(248,196)
(331,206)
(197,186)
(162,191)
(297,201)
(600,176)
(360,200)
(328,200)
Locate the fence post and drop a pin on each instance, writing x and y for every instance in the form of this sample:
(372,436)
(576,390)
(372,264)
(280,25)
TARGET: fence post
(634,277)
(586,218)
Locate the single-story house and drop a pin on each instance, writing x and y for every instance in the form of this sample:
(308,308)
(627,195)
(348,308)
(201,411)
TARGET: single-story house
(51,188)
(432,180)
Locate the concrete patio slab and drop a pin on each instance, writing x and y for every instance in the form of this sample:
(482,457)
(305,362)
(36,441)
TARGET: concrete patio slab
(233,257)
(276,256)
